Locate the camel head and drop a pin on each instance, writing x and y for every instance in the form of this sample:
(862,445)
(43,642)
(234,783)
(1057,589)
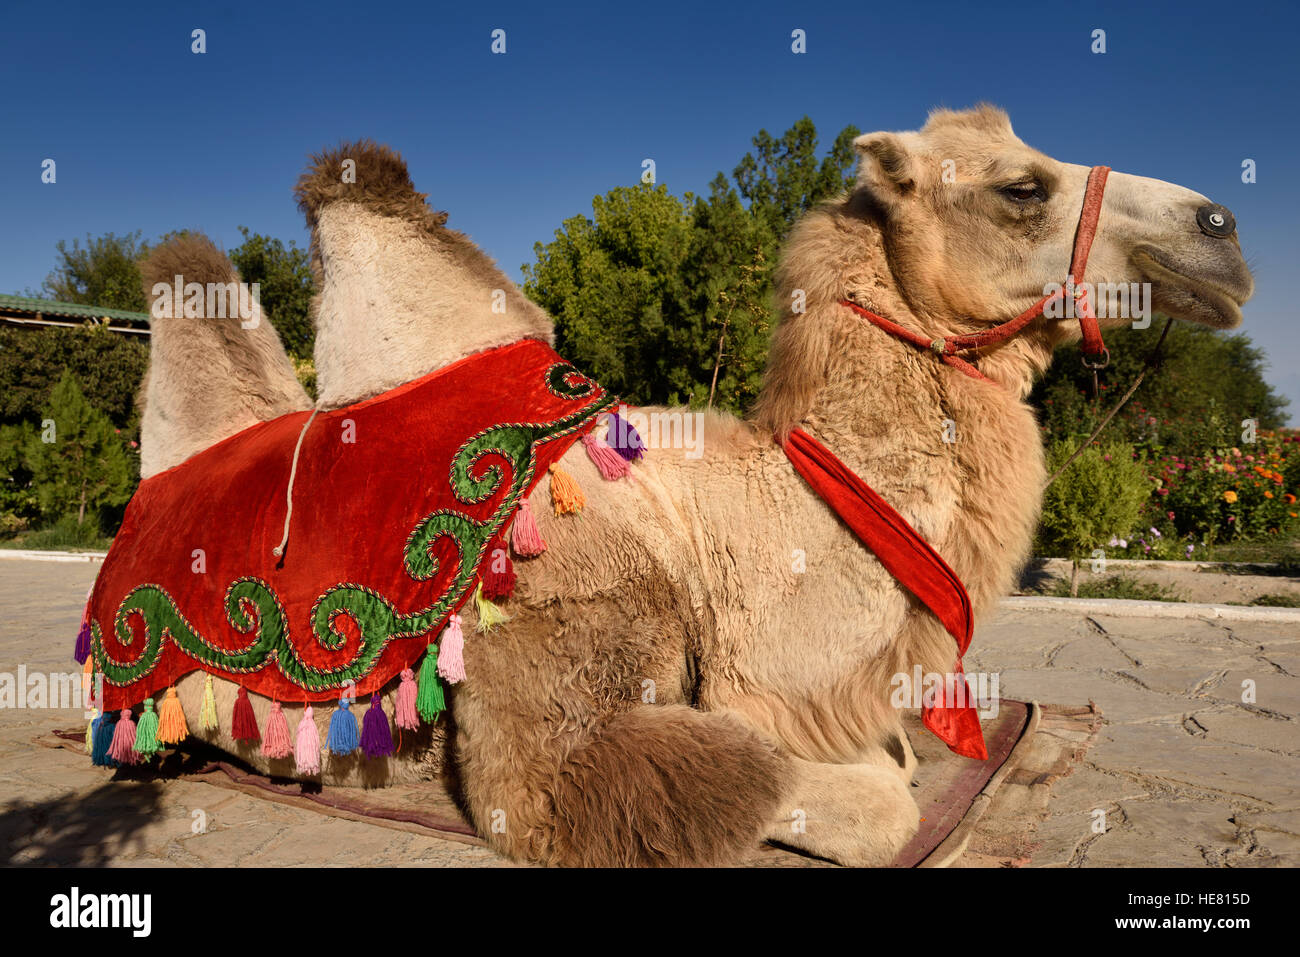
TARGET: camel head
(976,223)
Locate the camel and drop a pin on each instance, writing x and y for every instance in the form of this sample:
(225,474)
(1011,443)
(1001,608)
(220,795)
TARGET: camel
(766,634)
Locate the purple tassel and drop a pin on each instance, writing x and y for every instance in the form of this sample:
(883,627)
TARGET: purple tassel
(82,651)
(376,735)
(624,439)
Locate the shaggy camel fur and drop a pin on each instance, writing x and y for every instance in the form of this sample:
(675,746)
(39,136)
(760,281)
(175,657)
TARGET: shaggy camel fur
(705,657)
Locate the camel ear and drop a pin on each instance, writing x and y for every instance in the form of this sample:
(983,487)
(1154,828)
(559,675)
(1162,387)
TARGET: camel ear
(886,168)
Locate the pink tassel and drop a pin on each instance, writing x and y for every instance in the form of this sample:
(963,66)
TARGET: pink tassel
(451,652)
(609,463)
(276,743)
(122,749)
(406,717)
(306,752)
(525,538)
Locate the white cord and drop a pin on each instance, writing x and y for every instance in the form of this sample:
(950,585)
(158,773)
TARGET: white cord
(288,494)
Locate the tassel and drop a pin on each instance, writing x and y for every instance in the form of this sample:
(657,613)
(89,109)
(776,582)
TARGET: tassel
(499,582)
(525,538)
(82,650)
(172,728)
(208,711)
(451,652)
(407,717)
(103,741)
(489,615)
(122,749)
(243,724)
(306,752)
(566,493)
(342,738)
(91,727)
(376,735)
(429,701)
(146,732)
(624,439)
(609,463)
(277,743)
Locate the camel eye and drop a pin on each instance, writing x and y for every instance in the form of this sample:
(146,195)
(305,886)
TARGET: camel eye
(1030,192)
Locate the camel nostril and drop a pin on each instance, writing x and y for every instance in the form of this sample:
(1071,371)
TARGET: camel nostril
(1215,220)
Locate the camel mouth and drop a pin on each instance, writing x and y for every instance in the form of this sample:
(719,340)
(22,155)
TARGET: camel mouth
(1214,299)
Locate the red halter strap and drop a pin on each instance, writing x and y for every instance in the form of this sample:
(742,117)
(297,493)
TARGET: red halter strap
(1093,347)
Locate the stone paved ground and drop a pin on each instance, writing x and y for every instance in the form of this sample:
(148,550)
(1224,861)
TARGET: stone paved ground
(1185,771)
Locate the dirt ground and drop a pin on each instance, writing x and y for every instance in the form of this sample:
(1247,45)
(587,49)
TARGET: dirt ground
(1189,769)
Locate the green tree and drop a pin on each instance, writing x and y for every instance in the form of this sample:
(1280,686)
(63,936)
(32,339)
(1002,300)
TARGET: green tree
(285,282)
(106,272)
(76,458)
(108,365)
(668,300)
(1207,384)
(1098,498)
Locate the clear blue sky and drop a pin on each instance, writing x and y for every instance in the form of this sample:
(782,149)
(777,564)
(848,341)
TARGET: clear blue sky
(149,136)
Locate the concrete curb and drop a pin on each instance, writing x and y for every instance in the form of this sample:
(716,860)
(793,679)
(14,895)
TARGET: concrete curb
(34,555)
(1125,563)
(1126,608)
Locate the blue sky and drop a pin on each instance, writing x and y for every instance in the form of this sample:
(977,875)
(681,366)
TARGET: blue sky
(150,136)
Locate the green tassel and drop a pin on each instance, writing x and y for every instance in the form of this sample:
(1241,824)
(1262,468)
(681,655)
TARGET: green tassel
(90,730)
(146,731)
(208,712)
(489,615)
(428,699)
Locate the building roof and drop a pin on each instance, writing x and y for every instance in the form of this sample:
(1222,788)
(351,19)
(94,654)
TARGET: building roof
(49,307)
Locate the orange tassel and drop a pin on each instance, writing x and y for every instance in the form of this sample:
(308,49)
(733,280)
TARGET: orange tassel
(566,493)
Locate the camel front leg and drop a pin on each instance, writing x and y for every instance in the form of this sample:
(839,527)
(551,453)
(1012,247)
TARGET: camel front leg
(859,815)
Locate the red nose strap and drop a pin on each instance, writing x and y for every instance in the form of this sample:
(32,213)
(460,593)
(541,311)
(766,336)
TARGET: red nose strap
(1092,342)
(1093,347)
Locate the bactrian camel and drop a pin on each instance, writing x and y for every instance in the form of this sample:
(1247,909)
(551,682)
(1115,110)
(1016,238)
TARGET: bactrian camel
(769,633)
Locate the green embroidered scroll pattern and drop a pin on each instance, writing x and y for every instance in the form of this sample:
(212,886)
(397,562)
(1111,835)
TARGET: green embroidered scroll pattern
(475,477)
(252,606)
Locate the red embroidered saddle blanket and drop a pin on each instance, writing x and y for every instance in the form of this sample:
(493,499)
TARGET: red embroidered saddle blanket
(397,504)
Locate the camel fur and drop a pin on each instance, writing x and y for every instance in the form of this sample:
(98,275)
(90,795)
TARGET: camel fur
(704,658)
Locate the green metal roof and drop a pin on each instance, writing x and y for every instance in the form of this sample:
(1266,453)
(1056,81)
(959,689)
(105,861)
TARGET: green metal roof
(48,307)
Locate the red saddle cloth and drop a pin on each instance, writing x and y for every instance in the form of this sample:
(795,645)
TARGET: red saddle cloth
(398,501)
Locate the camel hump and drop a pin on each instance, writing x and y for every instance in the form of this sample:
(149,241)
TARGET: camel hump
(364,172)
(216,364)
(191,255)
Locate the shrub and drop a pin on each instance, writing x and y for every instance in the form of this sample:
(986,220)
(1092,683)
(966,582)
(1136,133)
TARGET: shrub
(1097,498)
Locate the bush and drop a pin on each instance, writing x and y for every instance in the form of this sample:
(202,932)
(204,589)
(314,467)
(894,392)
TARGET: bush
(1228,495)
(1098,498)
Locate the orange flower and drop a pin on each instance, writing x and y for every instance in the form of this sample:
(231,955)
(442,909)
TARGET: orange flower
(1289,498)
(1268,494)
(1230,496)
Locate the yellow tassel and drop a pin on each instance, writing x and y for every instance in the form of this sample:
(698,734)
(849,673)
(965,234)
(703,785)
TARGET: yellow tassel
(90,730)
(566,493)
(208,713)
(489,615)
(171,720)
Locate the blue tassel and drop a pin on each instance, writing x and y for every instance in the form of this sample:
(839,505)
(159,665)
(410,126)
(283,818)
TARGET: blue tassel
(343,736)
(103,740)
